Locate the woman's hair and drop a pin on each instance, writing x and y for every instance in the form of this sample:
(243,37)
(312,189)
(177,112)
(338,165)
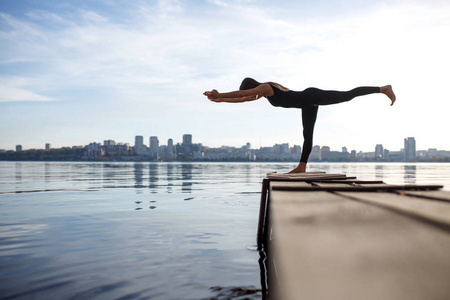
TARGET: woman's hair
(248,83)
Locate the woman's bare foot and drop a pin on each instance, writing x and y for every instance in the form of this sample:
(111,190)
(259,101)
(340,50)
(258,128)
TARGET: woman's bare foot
(387,90)
(301,168)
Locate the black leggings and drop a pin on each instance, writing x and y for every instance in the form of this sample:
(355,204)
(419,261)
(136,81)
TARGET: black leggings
(315,97)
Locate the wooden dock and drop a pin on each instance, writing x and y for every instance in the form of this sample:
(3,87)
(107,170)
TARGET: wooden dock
(329,236)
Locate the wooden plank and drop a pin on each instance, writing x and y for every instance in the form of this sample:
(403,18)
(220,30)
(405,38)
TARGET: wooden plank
(304,176)
(371,187)
(328,247)
(296,174)
(382,184)
(333,184)
(435,195)
(288,184)
(350,180)
(434,211)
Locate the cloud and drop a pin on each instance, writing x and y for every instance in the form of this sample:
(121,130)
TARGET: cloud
(15,89)
(219,2)
(160,57)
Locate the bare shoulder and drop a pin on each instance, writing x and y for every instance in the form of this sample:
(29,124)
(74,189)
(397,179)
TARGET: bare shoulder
(279,86)
(265,89)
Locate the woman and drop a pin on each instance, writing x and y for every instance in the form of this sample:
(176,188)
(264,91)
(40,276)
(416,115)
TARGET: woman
(308,100)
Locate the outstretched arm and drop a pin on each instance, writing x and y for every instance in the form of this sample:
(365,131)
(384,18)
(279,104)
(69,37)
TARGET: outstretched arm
(263,90)
(236,100)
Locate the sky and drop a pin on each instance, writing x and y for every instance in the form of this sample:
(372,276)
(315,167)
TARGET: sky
(76,72)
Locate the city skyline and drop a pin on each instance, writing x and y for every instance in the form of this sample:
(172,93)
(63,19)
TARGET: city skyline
(74,72)
(154,143)
(187,150)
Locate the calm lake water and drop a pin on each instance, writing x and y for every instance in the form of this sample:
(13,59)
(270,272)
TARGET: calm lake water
(146,230)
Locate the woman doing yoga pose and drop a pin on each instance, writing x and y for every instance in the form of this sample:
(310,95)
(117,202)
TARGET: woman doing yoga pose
(308,100)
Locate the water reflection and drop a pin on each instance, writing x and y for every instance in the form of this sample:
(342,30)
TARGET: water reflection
(47,172)
(379,172)
(138,180)
(186,178)
(18,174)
(409,174)
(170,178)
(153,177)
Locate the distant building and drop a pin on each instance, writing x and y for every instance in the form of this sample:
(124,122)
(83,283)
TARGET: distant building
(48,146)
(139,147)
(281,148)
(344,150)
(386,154)
(315,154)
(378,151)
(139,141)
(296,149)
(170,149)
(154,147)
(18,148)
(107,143)
(334,156)
(325,149)
(154,144)
(187,140)
(432,152)
(186,149)
(410,149)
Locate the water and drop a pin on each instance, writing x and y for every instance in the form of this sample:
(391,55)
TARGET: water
(146,230)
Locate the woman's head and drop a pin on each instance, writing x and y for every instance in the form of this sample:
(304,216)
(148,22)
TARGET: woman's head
(248,83)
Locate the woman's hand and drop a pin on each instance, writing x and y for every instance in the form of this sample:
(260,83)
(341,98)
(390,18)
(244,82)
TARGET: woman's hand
(214,94)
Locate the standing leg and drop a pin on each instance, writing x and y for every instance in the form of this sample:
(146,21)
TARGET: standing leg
(309,116)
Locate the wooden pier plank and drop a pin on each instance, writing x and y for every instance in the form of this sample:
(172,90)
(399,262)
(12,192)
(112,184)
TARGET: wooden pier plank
(435,195)
(304,176)
(435,211)
(329,247)
(288,184)
(338,184)
(360,187)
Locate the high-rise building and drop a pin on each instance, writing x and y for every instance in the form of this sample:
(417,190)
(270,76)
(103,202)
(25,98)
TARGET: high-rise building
(379,151)
(48,146)
(18,148)
(187,140)
(154,144)
(139,144)
(170,149)
(410,149)
(344,150)
(139,141)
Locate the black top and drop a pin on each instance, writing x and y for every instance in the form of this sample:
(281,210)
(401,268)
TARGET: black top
(287,99)
(291,99)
